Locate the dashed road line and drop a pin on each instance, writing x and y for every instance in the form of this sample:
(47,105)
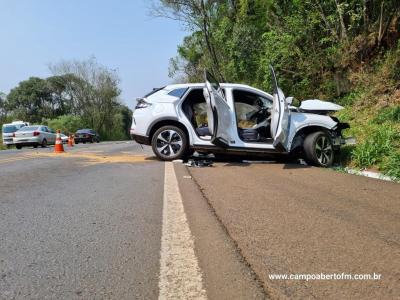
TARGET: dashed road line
(180,275)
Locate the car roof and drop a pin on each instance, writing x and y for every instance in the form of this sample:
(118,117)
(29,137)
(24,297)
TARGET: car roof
(201,85)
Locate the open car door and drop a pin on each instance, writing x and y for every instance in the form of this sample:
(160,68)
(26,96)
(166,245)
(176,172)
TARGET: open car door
(219,113)
(279,117)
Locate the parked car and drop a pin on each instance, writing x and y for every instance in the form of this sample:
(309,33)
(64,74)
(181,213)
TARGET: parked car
(86,136)
(34,135)
(64,138)
(235,119)
(9,129)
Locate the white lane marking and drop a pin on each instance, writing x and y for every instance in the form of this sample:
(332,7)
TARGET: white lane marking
(180,275)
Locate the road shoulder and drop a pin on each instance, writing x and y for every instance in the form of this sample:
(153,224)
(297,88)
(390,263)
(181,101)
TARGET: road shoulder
(226,275)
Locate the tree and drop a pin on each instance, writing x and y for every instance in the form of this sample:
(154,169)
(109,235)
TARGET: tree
(3,110)
(92,89)
(30,100)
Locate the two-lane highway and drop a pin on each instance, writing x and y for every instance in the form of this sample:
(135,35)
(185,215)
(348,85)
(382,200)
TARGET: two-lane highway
(109,221)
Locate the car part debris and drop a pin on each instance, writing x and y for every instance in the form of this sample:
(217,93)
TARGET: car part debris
(199,163)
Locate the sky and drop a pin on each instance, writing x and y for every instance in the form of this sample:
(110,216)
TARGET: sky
(121,34)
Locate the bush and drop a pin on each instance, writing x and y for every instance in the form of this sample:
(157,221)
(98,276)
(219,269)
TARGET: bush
(67,124)
(391,165)
(381,143)
(388,114)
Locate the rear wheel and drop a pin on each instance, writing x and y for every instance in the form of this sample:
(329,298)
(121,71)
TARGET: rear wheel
(44,143)
(18,147)
(318,148)
(169,143)
(35,146)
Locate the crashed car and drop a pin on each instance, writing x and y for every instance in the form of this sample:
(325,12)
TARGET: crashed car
(236,119)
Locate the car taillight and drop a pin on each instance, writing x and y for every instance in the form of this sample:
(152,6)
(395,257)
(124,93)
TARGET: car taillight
(36,133)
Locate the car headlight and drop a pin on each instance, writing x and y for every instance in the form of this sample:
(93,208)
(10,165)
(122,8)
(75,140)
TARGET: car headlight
(141,103)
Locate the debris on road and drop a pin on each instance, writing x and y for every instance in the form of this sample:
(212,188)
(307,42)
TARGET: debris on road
(199,163)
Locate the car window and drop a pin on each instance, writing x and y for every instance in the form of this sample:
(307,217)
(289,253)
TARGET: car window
(44,129)
(178,92)
(9,129)
(29,128)
(247,104)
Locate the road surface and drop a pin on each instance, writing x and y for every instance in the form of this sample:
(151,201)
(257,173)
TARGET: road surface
(109,221)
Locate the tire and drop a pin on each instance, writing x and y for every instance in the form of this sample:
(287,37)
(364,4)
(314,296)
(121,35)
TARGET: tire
(19,147)
(44,143)
(35,146)
(318,149)
(76,143)
(169,143)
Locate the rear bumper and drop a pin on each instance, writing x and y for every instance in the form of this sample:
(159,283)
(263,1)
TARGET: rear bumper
(26,141)
(141,139)
(81,140)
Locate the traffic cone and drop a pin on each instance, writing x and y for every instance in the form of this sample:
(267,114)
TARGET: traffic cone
(58,147)
(70,141)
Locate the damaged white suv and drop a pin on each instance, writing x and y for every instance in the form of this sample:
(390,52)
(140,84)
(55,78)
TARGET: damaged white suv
(235,119)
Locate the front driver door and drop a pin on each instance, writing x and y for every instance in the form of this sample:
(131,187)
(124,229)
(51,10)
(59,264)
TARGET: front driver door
(219,113)
(279,117)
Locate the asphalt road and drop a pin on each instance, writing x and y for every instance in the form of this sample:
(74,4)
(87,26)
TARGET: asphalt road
(80,226)
(293,219)
(109,221)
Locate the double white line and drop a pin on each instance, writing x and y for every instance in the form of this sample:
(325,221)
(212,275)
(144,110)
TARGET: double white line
(180,275)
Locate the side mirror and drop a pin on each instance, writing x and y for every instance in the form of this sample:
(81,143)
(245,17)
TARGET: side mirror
(289,100)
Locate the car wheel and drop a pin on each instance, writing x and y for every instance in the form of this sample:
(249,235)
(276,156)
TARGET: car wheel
(18,147)
(35,146)
(169,143)
(44,143)
(318,149)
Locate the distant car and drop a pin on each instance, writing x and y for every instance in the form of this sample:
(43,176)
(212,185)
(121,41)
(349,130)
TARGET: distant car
(9,129)
(64,138)
(34,135)
(86,136)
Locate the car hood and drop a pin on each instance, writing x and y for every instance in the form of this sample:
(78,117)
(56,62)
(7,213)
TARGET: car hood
(318,105)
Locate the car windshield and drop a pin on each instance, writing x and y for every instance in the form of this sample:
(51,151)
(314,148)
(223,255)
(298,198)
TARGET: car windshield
(29,128)
(83,131)
(9,129)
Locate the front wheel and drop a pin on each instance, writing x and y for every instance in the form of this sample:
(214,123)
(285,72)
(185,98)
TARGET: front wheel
(169,143)
(318,149)
(19,147)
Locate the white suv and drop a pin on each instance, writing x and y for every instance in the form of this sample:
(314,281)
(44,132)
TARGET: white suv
(235,119)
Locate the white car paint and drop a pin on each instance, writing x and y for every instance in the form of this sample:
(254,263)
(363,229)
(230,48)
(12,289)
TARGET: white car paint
(34,135)
(286,120)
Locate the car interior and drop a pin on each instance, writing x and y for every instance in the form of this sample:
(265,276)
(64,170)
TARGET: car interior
(253,116)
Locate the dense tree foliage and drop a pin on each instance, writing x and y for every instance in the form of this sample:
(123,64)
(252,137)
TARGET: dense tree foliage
(312,43)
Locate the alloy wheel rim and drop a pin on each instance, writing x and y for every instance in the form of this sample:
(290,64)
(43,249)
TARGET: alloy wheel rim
(323,149)
(169,142)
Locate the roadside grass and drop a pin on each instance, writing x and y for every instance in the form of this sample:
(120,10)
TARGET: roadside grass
(2,147)
(377,132)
